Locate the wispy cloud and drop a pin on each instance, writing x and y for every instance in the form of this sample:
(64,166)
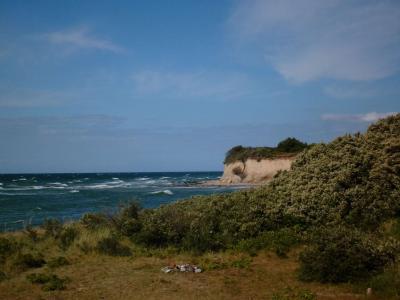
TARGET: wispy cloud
(83,38)
(367,117)
(306,40)
(201,84)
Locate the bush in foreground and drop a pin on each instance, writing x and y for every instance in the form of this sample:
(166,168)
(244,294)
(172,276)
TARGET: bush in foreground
(111,246)
(342,255)
(50,282)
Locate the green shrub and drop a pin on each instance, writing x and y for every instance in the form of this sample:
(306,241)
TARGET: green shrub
(52,227)
(7,248)
(57,262)
(395,229)
(3,276)
(31,233)
(127,220)
(289,146)
(341,255)
(67,237)
(387,284)
(279,241)
(28,261)
(111,246)
(242,263)
(50,282)
(94,220)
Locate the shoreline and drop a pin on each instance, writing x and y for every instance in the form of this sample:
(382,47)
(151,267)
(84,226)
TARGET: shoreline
(219,183)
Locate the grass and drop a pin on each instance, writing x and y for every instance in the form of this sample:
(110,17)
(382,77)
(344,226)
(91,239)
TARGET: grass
(95,276)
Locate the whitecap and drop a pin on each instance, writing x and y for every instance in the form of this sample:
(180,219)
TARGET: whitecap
(59,184)
(150,181)
(38,187)
(74,191)
(164,192)
(142,178)
(99,186)
(115,178)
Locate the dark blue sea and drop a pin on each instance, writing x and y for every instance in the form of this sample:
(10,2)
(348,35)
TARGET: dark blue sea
(31,198)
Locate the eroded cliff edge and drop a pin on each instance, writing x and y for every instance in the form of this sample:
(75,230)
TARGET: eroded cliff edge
(252,171)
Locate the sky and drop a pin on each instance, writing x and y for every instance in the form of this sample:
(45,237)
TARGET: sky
(130,86)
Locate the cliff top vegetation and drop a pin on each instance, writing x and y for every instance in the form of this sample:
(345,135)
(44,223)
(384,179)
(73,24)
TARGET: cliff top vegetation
(288,147)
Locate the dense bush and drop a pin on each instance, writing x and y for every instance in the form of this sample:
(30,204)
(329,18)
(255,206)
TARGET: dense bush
(52,227)
(58,261)
(340,255)
(287,147)
(127,219)
(50,282)
(112,246)
(3,276)
(7,247)
(387,283)
(67,237)
(291,145)
(28,260)
(94,220)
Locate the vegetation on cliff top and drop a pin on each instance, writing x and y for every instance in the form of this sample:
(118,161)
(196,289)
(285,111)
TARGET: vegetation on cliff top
(287,147)
(339,205)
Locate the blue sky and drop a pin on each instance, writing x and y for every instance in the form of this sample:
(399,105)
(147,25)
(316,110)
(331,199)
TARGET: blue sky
(88,86)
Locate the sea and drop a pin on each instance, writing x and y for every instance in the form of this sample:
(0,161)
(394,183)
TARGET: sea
(29,199)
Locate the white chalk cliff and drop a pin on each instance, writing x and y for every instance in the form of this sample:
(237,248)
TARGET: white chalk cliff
(253,171)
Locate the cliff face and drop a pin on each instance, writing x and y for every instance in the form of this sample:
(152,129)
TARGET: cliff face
(253,171)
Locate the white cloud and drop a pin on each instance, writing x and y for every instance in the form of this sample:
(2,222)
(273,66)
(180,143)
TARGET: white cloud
(306,40)
(367,117)
(222,86)
(81,38)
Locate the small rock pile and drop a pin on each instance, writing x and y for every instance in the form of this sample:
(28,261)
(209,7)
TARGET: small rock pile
(182,268)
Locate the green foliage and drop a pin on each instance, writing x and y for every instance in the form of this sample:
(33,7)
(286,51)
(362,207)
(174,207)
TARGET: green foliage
(31,233)
(341,254)
(111,246)
(3,276)
(387,284)
(52,227)
(243,262)
(7,247)
(94,220)
(395,229)
(50,282)
(289,146)
(67,237)
(127,220)
(28,261)
(280,241)
(57,262)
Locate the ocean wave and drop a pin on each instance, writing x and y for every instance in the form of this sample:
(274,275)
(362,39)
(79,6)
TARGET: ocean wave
(142,178)
(151,181)
(115,178)
(19,179)
(74,191)
(163,192)
(38,187)
(59,184)
(17,194)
